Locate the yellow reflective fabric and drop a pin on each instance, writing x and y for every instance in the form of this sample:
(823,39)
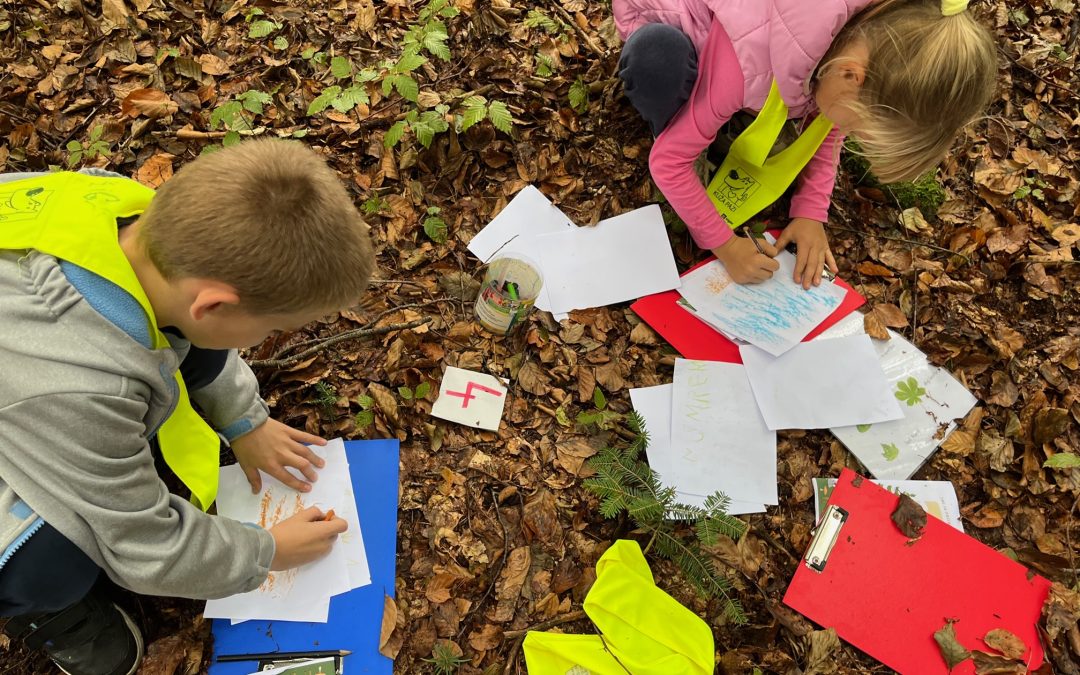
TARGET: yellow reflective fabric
(643,630)
(749,179)
(951,7)
(72,216)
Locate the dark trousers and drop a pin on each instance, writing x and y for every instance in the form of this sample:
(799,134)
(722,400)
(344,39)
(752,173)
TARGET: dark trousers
(658,67)
(49,572)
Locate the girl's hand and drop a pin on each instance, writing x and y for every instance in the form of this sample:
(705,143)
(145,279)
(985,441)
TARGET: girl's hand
(812,252)
(273,446)
(743,261)
(304,537)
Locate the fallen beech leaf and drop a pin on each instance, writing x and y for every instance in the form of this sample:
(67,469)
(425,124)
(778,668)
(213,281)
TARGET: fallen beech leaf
(875,327)
(951,650)
(390,639)
(212,65)
(992,664)
(156,170)
(909,517)
(1006,643)
(1049,423)
(152,103)
(534,380)
(890,315)
(872,269)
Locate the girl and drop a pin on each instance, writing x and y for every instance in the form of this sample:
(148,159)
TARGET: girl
(901,76)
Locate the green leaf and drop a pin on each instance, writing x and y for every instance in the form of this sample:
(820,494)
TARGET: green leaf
(863,428)
(598,398)
(394,134)
(308,53)
(435,43)
(890,451)
(280,43)
(500,116)
(341,67)
(231,138)
(350,98)
(75,157)
(1063,460)
(406,393)
(226,114)
(579,95)
(537,19)
(475,109)
(323,100)
(543,65)
(909,391)
(422,389)
(561,417)
(435,228)
(409,62)
(95,133)
(365,402)
(407,87)
(74,146)
(367,75)
(951,649)
(262,28)
(365,418)
(254,100)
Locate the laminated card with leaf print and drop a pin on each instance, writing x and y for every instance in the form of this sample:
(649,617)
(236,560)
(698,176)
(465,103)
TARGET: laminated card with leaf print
(930,397)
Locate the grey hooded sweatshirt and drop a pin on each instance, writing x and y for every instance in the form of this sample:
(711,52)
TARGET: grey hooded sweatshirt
(81,392)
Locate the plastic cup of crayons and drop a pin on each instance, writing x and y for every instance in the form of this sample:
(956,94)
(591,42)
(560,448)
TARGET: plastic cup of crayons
(511,286)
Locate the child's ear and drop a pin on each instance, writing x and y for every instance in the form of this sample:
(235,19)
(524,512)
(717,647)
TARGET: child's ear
(853,72)
(212,296)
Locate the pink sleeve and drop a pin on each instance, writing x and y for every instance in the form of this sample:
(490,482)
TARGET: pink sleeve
(717,95)
(816,181)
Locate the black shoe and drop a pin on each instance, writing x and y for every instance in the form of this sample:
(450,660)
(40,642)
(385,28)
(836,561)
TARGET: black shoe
(92,637)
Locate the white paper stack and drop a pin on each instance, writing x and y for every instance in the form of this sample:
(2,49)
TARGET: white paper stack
(937,497)
(303,593)
(619,259)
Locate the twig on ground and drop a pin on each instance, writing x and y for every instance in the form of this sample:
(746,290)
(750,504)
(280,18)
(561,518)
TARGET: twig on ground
(580,31)
(348,335)
(911,242)
(576,615)
(195,135)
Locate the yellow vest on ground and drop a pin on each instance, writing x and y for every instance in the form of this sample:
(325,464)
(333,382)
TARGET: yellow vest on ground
(749,180)
(72,216)
(643,630)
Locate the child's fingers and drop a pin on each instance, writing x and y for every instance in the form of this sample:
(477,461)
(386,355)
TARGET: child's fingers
(310,515)
(289,479)
(309,454)
(304,437)
(832,261)
(769,249)
(334,526)
(252,474)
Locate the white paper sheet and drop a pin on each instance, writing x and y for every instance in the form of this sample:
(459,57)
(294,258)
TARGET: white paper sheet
(654,405)
(719,439)
(620,259)
(931,400)
(774,315)
(470,398)
(821,384)
(528,215)
(937,497)
(328,667)
(300,594)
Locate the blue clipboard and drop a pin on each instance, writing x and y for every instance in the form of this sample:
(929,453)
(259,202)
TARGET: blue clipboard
(355,617)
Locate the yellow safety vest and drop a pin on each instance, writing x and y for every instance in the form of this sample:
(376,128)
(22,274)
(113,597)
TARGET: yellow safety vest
(643,630)
(749,179)
(72,216)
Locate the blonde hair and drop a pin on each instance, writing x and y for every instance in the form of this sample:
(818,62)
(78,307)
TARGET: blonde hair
(927,77)
(267,217)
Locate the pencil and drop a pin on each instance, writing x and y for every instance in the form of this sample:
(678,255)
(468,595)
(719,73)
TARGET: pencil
(329,516)
(270,656)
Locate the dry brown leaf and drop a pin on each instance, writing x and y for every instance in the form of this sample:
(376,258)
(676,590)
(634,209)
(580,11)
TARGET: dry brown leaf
(540,521)
(152,103)
(823,647)
(913,221)
(438,587)
(609,377)
(1003,391)
(115,12)
(1006,643)
(891,315)
(642,334)
(875,327)
(156,170)
(165,655)
(909,517)
(489,637)
(511,580)
(1049,423)
(213,65)
(872,269)
(586,383)
(992,664)
(385,401)
(390,638)
(533,379)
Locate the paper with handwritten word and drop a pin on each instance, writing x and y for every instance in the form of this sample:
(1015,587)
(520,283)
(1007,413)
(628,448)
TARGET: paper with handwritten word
(821,384)
(654,406)
(774,315)
(470,398)
(302,593)
(719,440)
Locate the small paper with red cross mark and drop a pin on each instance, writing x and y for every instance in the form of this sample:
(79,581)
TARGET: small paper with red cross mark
(470,398)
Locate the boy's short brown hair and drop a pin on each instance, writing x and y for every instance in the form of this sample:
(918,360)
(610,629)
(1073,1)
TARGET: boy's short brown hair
(269,218)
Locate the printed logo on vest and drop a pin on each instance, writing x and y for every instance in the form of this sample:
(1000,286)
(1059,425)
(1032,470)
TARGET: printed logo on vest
(25,204)
(736,188)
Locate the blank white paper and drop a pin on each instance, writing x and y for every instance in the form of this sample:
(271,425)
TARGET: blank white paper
(620,259)
(719,440)
(774,315)
(821,384)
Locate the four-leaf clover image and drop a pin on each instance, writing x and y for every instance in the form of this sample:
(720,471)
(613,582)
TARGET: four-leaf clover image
(909,391)
(890,451)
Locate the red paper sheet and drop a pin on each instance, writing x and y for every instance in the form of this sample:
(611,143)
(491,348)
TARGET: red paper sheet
(887,597)
(695,339)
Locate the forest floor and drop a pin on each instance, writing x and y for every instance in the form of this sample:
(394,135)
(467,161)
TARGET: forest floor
(495,532)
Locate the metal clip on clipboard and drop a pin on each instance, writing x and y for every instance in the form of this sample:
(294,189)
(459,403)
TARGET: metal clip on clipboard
(826,535)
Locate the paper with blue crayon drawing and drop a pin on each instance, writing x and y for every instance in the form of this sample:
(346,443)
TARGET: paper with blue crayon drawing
(774,315)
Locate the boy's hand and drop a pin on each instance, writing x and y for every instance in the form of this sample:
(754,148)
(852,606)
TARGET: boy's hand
(273,446)
(812,252)
(304,537)
(743,261)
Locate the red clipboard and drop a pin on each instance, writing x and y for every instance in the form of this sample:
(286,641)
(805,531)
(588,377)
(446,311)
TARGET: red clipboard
(695,339)
(887,597)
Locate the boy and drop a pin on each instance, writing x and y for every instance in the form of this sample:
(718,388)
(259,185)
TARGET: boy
(243,242)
